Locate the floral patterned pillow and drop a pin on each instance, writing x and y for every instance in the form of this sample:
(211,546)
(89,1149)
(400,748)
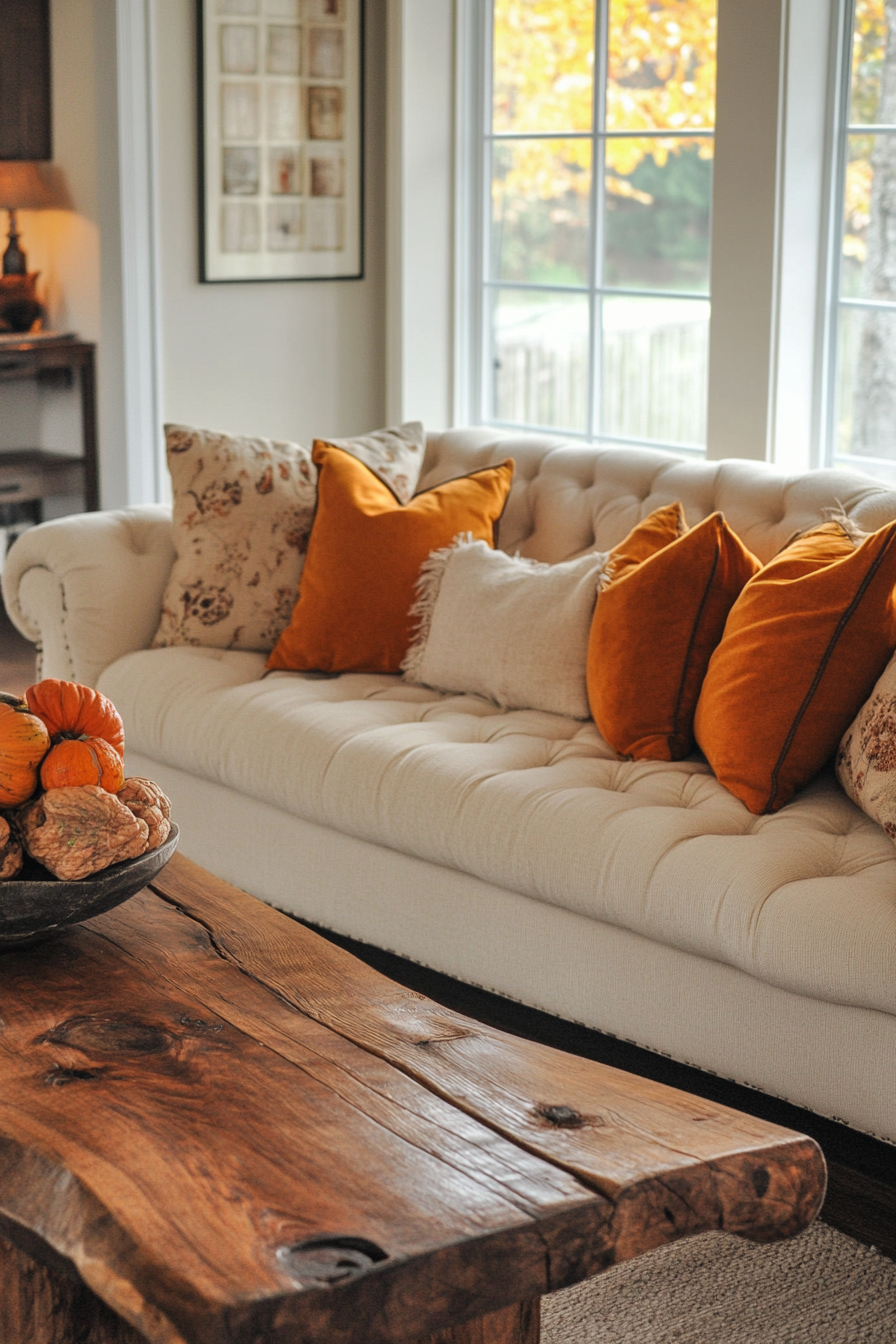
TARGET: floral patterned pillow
(396,455)
(866,759)
(243,509)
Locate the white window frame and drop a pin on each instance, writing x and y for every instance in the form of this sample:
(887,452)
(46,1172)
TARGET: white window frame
(422,188)
(770,244)
(594,288)
(841,82)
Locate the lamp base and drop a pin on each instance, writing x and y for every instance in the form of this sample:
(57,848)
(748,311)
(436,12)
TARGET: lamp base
(14,261)
(19,304)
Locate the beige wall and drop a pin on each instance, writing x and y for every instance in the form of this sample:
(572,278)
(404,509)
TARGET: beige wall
(288,360)
(64,246)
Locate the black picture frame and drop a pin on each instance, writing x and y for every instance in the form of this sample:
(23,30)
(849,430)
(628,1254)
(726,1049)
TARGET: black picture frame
(281,140)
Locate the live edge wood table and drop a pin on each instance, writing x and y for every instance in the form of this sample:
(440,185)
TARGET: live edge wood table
(215,1126)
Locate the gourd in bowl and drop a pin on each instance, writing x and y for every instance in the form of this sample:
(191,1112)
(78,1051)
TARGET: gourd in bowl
(63,793)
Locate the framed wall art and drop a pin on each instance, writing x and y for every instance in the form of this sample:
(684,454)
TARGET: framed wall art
(280,132)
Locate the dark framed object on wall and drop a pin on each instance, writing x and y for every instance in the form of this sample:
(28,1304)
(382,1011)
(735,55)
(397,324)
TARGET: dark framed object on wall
(281,139)
(25,129)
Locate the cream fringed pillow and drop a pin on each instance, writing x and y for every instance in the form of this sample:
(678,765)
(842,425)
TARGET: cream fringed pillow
(243,509)
(866,759)
(513,630)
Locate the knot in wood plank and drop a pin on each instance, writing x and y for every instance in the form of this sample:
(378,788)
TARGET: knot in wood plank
(329,1259)
(563,1117)
(109,1036)
(59,1076)
(761,1181)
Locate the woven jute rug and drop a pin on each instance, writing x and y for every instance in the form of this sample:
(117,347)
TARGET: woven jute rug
(818,1288)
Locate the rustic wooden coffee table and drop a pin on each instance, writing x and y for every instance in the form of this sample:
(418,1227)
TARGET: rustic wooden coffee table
(216,1126)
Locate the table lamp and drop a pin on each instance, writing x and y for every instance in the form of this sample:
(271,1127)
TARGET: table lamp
(25,185)
(28,185)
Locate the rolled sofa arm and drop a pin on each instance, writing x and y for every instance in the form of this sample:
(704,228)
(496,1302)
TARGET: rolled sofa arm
(88,588)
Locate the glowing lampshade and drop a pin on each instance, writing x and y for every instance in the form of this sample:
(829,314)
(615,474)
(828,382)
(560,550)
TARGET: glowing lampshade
(28,185)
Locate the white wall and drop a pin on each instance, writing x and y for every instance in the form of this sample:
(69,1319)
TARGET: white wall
(292,359)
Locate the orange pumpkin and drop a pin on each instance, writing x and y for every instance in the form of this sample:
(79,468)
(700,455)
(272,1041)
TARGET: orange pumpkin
(24,742)
(83,760)
(71,711)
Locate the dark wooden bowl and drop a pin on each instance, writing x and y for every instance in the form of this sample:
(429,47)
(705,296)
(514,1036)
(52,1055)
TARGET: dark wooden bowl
(35,904)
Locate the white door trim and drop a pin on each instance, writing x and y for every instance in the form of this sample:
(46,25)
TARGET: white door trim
(131,459)
(146,476)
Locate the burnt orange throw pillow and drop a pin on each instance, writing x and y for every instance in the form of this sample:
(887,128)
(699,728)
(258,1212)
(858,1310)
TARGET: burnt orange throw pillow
(803,647)
(364,556)
(655,626)
(650,535)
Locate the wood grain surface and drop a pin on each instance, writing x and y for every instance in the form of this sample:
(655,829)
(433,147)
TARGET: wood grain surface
(611,1129)
(231,1130)
(519,1324)
(39,1305)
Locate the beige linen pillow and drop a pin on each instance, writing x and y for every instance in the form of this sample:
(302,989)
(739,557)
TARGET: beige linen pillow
(511,629)
(866,758)
(243,509)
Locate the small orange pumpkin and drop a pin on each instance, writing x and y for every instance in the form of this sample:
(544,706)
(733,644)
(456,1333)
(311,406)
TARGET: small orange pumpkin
(24,742)
(71,710)
(83,760)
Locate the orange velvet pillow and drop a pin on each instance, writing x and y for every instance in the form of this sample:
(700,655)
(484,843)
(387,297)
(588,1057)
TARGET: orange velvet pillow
(651,534)
(655,626)
(803,647)
(364,556)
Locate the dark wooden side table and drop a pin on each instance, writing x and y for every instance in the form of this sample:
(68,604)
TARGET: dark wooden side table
(216,1126)
(30,474)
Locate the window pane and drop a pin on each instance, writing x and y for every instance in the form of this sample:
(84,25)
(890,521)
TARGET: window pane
(877,467)
(661,64)
(543,65)
(540,358)
(657,202)
(869,58)
(654,369)
(866,400)
(541,191)
(868,268)
(856,215)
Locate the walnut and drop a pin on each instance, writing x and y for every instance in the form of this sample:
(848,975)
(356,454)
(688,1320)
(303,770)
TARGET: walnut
(79,830)
(147,801)
(11,857)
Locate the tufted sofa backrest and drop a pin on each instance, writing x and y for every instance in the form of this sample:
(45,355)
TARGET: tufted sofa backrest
(568,498)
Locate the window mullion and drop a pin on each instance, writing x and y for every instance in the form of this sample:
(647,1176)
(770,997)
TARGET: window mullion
(486,361)
(830,362)
(598,193)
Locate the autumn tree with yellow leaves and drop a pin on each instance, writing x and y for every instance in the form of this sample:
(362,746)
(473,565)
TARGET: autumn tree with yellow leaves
(660,76)
(661,65)
(869,251)
(868,53)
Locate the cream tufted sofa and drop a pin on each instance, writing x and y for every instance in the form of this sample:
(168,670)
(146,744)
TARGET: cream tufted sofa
(512,849)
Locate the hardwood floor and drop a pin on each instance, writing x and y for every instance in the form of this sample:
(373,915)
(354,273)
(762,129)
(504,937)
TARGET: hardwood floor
(861,1198)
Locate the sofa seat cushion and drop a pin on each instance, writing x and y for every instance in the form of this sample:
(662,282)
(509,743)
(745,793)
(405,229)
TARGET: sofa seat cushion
(804,899)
